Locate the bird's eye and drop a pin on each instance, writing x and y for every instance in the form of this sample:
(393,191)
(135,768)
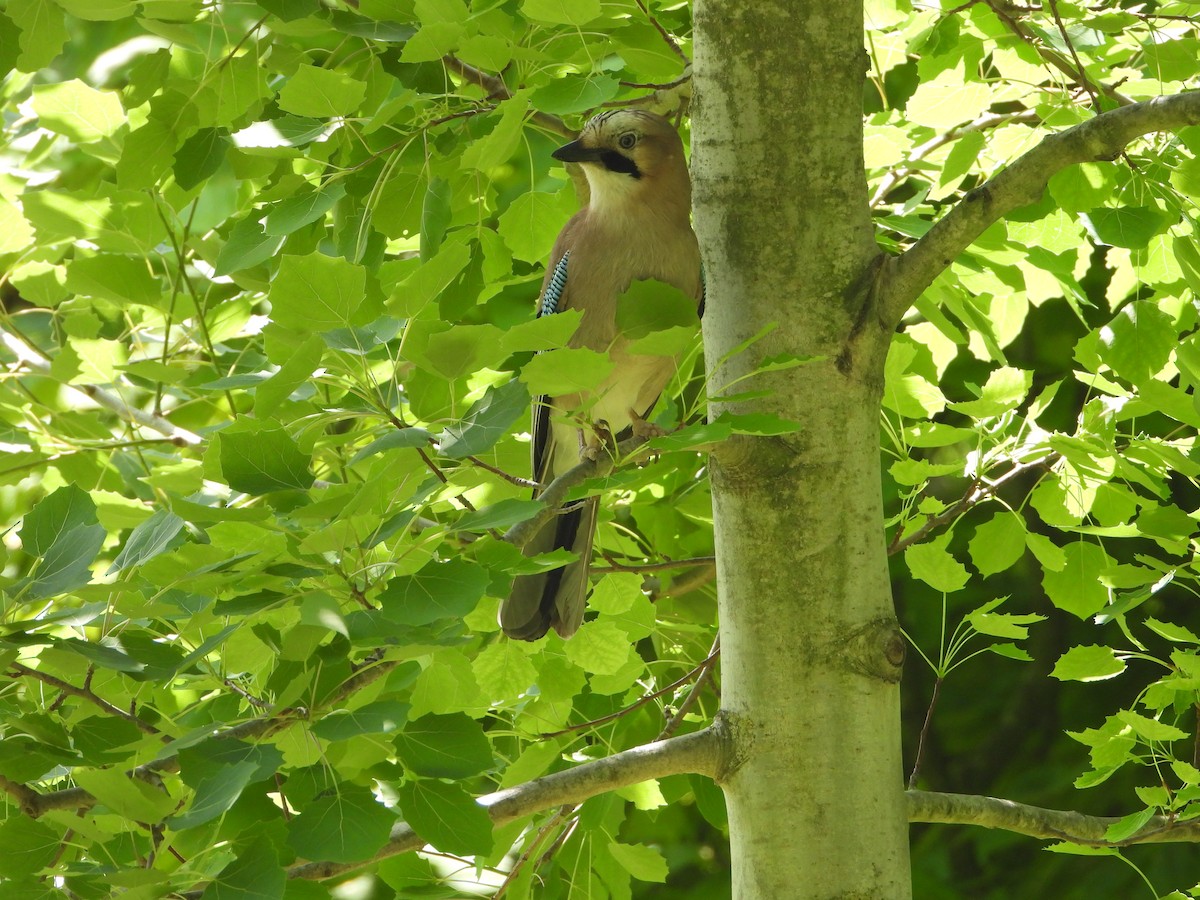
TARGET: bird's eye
(627,140)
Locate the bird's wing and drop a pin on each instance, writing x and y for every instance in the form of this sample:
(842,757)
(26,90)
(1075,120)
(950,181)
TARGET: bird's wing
(554,297)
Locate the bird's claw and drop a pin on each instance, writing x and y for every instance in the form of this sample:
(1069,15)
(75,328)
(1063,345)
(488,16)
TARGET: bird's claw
(642,429)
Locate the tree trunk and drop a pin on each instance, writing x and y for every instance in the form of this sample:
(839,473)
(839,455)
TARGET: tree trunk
(810,652)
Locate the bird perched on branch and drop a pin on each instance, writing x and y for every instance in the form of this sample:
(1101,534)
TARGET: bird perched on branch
(636,225)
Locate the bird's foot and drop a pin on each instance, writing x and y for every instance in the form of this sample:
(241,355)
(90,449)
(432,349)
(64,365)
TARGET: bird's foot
(602,443)
(642,429)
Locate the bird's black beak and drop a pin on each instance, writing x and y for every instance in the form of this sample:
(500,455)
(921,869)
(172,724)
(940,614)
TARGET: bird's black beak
(576,152)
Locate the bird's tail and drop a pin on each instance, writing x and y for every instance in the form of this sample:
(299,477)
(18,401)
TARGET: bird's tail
(553,599)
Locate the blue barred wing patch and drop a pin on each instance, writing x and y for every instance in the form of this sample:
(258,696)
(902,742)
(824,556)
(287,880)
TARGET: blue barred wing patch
(554,288)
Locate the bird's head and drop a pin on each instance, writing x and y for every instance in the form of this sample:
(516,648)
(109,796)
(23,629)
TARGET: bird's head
(630,154)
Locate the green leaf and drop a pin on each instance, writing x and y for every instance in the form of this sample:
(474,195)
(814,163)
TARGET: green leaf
(462,350)
(1186,177)
(295,371)
(933,564)
(436,215)
(1050,555)
(290,10)
(316,292)
(566,371)
(121,279)
(65,565)
(561,12)
(498,515)
(1138,341)
(451,746)
(54,516)
(441,590)
(1128,825)
(348,825)
(247,246)
(255,875)
(29,846)
(43,32)
(125,796)
(542,333)
(1005,390)
(200,156)
(1175,633)
(650,305)
(321,93)
(1151,729)
(599,647)
(78,111)
(446,816)
(575,94)
(303,209)
(1128,226)
(380,717)
(400,439)
(504,671)
(432,277)
(154,536)
(1002,625)
(1077,588)
(642,862)
(215,795)
(1093,663)
(531,223)
(498,146)
(488,420)
(997,544)
(263,460)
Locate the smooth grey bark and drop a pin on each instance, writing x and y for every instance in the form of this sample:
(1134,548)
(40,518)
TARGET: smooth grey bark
(810,650)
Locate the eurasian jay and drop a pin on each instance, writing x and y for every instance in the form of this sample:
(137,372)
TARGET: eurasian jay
(636,225)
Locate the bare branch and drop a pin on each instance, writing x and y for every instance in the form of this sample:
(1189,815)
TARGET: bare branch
(1033,821)
(698,753)
(905,277)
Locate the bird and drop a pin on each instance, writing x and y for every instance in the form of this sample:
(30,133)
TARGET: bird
(636,225)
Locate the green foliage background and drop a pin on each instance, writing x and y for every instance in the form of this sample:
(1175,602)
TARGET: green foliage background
(303,242)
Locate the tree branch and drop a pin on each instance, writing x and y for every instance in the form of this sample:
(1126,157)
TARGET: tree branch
(698,753)
(35,361)
(556,492)
(34,804)
(495,87)
(1033,821)
(85,693)
(905,277)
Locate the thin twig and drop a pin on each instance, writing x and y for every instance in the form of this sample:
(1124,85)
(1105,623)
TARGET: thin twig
(553,822)
(979,491)
(615,566)
(986,121)
(1083,79)
(85,693)
(666,36)
(916,769)
(708,667)
(1004,12)
(639,703)
(496,88)
(34,360)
